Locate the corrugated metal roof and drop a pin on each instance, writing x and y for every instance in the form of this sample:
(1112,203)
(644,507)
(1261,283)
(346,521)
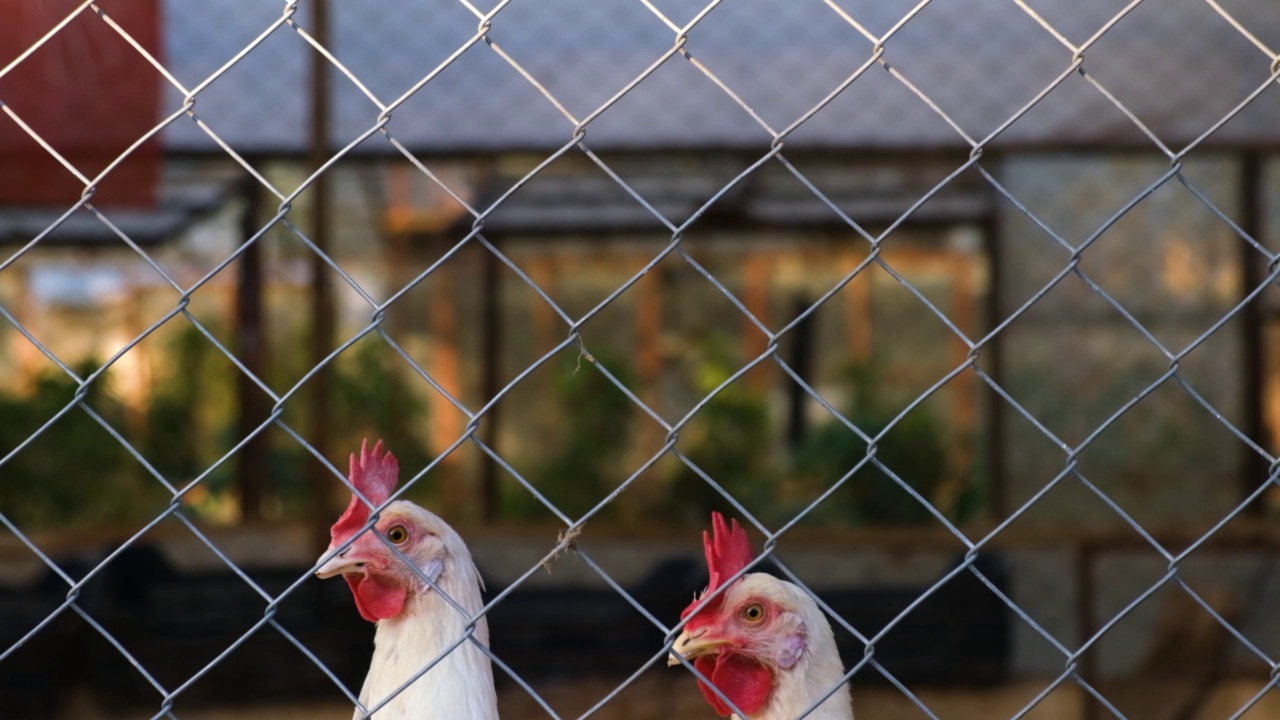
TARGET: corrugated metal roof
(1176,64)
(185,190)
(873,193)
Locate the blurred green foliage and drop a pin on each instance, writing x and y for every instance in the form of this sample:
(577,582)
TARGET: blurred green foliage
(733,440)
(373,398)
(584,465)
(370,398)
(188,425)
(913,449)
(729,440)
(74,471)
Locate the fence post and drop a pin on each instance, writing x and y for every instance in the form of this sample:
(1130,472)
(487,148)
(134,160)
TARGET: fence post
(1252,331)
(491,370)
(252,461)
(321,294)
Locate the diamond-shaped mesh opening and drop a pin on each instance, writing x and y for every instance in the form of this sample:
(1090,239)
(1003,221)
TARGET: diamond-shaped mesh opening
(910,463)
(52,423)
(610,196)
(208,46)
(1078,102)
(614,594)
(736,30)
(1143,32)
(706,116)
(985,72)
(75,288)
(1036,375)
(608,443)
(901,649)
(413,45)
(218,610)
(1079,23)
(88,58)
(582,56)
(1190,628)
(507,105)
(276,67)
(1160,428)
(1156,288)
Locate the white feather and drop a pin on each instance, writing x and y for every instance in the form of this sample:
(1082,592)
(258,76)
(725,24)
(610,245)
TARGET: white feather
(819,668)
(460,686)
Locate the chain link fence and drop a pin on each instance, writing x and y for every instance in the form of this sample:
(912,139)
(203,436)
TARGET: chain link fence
(770,108)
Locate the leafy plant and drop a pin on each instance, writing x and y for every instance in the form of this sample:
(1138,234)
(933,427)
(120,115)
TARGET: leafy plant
(372,399)
(913,449)
(728,440)
(73,471)
(368,398)
(596,433)
(187,424)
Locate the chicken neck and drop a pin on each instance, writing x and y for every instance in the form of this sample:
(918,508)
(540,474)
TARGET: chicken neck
(460,685)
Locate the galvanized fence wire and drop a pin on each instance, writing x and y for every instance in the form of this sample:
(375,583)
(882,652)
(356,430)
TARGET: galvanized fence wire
(1073,62)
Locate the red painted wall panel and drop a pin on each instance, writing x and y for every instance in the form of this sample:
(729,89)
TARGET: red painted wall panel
(86,92)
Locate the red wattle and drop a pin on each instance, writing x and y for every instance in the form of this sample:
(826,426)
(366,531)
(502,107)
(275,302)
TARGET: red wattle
(743,680)
(376,599)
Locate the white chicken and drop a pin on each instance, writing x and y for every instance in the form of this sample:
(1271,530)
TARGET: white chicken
(415,624)
(763,642)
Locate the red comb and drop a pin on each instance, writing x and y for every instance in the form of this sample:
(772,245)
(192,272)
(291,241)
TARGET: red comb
(728,551)
(374,474)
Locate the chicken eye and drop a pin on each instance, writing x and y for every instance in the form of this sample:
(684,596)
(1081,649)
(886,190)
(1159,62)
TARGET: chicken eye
(753,613)
(397,534)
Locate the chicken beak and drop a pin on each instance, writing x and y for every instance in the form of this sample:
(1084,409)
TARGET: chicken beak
(694,644)
(341,564)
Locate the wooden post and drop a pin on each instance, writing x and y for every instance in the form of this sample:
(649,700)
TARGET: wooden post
(757,269)
(1253,470)
(490,364)
(650,358)
(447,422)
(992,361)
(1086,666)
(801,361)
(25,311)
(649,308)
(252,461)
(322,311)
(964,301)
(541,269)
(859,311)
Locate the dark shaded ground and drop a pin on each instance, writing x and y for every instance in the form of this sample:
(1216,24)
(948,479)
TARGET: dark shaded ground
(210,626)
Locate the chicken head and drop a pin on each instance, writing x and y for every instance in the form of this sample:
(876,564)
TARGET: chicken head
(749,638)
(380,581)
